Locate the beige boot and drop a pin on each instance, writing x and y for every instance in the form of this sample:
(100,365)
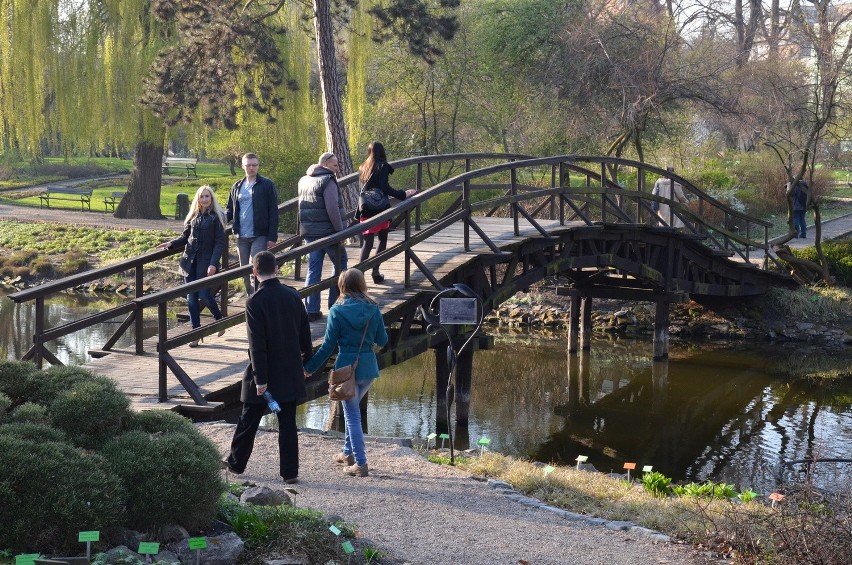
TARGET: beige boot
(342,459)
(357,470)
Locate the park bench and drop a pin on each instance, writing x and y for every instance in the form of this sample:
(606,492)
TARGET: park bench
(113,199)
(81,195)
(186,164)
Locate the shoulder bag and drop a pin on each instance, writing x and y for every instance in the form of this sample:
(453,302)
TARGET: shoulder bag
(372,200)
(341,381)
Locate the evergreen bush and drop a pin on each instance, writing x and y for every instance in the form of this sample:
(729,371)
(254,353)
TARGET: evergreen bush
(30,412)
(168,478)
(17,380)
(51,491)
(153,421)
(5,406)
(839,257)
(91,412)
(36,433)
(56,380)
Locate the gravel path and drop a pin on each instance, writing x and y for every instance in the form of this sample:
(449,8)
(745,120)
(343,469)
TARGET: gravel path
(420,512)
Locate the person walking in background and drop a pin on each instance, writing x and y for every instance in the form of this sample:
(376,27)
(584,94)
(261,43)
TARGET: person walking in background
(279,339)
(374,173)
(665,187)
(355,315)
(204,240)
(253,209)
(799,196)
(321,214)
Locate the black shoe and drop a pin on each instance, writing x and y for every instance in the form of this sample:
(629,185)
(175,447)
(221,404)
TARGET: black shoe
(291,481)
(314,316)
(378,277)
(227,466)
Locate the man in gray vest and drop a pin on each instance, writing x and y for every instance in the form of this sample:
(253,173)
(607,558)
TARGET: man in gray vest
(321,214)
(253,209)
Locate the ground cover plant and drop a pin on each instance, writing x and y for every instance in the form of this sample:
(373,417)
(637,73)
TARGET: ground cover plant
(76,458)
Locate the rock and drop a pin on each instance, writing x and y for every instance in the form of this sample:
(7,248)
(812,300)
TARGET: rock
(120,554)
(166,556)
(221,550)
(172,532)
(264,496)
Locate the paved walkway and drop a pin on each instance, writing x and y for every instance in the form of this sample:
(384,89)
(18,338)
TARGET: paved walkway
(831,229)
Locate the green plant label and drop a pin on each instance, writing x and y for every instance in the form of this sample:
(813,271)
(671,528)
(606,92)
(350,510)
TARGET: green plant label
(484,441)
(197,543)
(348,547)
(433,435)
(444,436)
(647,468)
(334,529)
(549,469)
(148,548)
(26,558)
(582,458)
(89,536)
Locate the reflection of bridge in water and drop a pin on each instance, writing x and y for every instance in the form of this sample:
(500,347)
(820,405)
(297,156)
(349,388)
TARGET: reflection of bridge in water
(498,229)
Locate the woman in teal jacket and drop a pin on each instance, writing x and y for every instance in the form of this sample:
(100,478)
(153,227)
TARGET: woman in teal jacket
(346,320)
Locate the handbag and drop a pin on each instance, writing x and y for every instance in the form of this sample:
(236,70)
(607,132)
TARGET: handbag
(341,381)
(373,201)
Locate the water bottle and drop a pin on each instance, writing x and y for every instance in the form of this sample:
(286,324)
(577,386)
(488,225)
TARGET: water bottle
(271,402)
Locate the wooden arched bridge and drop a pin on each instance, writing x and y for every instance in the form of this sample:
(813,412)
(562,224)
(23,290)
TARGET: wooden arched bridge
(504,223)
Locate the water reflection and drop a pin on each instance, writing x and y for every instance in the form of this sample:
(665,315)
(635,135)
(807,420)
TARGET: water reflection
(718,412)
(17,323)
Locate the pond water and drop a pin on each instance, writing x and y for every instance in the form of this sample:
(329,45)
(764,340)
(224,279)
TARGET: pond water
(714,410)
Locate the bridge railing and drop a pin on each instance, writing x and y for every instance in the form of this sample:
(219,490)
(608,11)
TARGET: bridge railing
(142,265)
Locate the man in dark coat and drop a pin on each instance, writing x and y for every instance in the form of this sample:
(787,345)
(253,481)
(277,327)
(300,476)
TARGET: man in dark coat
(279,338)
(799,195)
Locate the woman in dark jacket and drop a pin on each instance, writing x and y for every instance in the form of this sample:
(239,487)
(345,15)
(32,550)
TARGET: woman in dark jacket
(355,324)
(375,173)
(204,240)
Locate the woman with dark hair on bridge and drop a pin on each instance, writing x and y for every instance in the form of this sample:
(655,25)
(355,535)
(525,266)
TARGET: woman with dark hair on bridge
(204,240)
(374,175)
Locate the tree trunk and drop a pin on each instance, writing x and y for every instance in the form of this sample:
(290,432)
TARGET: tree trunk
(143,191)
(335,126)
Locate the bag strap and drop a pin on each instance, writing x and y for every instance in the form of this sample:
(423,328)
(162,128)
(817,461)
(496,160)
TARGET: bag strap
(360,345)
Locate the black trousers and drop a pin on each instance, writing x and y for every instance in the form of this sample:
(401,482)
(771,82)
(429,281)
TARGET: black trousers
(367,245)
(288,438)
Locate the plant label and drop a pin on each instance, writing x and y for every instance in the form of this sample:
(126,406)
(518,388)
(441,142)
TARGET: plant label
(148,548)
(582,458)
(647,468)
(348,547)
(484,441)
(197,543)
(444,436)
(433,435)
(334,529)
(26,558)
(89,536)
(630,466)
(549,469)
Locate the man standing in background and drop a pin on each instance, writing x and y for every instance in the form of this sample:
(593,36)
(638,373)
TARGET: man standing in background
(253,209)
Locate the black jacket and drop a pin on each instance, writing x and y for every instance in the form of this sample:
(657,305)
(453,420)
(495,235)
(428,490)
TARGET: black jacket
(279,338)
(381,179)
(264,203)
(204,238)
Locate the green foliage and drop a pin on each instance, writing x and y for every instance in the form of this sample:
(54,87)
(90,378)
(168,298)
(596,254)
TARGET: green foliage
(56,380)
(5,405)
(838,254)
(445,459)
(747,495)
(36,433)
(16,380)
(29,412)
(154,421)
(50,492)
(170,477)
(707,489)
(91,412)
(656,483)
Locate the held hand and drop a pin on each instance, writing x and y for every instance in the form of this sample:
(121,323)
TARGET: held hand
(269,244)
(164,245)
(211,270)
(307,374)
(410,192)
(261,389)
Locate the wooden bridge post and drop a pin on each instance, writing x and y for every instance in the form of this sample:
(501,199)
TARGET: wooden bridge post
(442,377)
(661,331)
(574,325)
(585,372)
(139,338)
(586,323)
(464,376)
(659,385)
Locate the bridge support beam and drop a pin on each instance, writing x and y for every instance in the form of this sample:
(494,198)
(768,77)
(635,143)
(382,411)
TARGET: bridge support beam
(574,325)
(661,331)
(586,323)
(461,392)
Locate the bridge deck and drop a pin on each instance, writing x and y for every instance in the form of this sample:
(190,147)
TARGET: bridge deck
(217,365)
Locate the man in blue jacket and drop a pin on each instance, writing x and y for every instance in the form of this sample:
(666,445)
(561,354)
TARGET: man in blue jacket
(253,209)
(799,195)
(279,339)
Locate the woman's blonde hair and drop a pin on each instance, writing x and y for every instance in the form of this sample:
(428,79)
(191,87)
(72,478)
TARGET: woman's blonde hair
(195,207)
(351,283)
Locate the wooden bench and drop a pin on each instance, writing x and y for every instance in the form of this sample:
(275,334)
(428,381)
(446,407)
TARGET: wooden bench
(111,200)
(82,195)
(186,164)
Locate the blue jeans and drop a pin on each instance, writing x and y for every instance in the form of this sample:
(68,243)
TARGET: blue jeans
(799,223)
(315,259)
(354,444)
(248,247)
(192,298)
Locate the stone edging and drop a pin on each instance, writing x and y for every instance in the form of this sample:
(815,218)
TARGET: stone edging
(509,491)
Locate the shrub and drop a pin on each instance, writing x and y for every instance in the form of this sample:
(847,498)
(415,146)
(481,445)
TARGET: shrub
(52,382)
(36,433)
(761,179)
(5,405)
(30,412)
(16,380)
(153,421)
(168,478)
(50,492)
(91,412)
(838,254)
